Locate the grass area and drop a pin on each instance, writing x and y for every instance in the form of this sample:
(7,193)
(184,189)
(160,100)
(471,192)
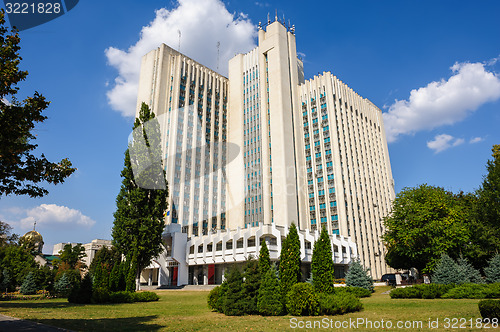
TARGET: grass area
(187,311)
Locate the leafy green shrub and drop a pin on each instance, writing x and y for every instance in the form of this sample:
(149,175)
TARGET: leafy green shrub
(213,298)
(489,308)
(268,300)
(121,297)
(358,276)
(29,285)
(492,272)
(322,273)
(145,297)
(339,303)
(252,277)
(406,293)
(302,301)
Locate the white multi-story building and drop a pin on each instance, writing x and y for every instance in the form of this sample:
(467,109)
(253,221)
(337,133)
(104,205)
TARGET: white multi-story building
(247,156)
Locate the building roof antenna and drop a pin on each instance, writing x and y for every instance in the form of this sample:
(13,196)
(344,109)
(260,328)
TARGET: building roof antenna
(276,15)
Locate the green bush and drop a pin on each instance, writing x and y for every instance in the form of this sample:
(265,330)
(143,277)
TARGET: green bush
(145,297)
(428,291)
(301,300)
(121,297)
(356,291)
(489,308)
(100,295)
(339,303)
(213,297)
(234,301)
(474,291)
(219,305)
(82,293)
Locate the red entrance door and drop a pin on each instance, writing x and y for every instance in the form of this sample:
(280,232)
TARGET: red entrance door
(211,274)
(174,276)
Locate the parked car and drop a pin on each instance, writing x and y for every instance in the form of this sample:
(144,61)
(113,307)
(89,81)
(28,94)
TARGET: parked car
(389,278)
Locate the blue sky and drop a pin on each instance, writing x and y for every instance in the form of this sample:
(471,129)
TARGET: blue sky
(429,65)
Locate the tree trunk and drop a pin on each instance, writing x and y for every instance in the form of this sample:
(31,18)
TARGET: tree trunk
(138,280)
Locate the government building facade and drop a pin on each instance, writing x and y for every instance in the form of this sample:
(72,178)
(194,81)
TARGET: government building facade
(248,155)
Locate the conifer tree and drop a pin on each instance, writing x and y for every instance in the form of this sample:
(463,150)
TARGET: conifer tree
(446,271)
(142,200)
(467,273)
(264,259)
(358,276)
(234,302)
(29,285)
(322,266)
(252,277)
(63,286)
(492,271)
(269,302)
(290,261)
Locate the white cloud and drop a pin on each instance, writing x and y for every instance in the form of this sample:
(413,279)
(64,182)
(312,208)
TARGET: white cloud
(51,214)
(443,103)
(443,142)
(476,140)
(202,23)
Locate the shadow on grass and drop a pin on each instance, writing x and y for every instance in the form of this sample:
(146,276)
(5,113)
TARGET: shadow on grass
(105,324)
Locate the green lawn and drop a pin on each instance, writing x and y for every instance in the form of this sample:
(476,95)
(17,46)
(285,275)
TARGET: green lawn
(187,311)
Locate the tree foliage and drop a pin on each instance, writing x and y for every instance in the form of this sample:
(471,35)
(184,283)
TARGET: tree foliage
(269,302)
(485,241)
(18,262)
(290,261)
(448,271)
(138,223)
(322,266)
(251,284)
(358,276)
(21,172)
(264,259)
(426,222)
(29,285)
(492,271)
(234,301)
(72,256)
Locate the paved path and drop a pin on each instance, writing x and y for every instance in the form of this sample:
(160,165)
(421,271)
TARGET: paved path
(9,324)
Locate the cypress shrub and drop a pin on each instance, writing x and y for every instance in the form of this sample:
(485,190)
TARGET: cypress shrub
(264,258)
(213,298)
(251,285)
(145,297)
(234,301)
(322,272)
(269,302)
(82,293)
(289,262)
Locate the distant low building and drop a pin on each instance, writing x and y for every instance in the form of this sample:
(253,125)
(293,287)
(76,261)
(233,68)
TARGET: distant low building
(90,248)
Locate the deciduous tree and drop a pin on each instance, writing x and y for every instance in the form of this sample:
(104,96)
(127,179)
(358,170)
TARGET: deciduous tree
(21,172)
(424,223)
(142,200)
